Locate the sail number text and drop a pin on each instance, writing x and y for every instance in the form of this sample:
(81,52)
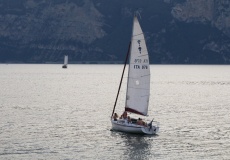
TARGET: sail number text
(141,66)
(141,61)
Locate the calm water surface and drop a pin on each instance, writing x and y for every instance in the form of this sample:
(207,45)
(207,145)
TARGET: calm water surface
(47,112)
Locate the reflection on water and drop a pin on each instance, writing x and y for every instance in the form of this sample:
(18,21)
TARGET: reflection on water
(136,146)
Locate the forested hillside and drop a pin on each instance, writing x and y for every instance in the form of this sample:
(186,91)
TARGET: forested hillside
(177,31)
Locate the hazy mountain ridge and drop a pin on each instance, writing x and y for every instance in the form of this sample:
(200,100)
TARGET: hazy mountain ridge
(177,31)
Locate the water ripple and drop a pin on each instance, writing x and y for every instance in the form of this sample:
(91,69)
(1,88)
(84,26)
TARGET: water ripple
(51,113)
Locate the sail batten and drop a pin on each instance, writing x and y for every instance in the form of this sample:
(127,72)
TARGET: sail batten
(138,77)
(139,88)
(138,35)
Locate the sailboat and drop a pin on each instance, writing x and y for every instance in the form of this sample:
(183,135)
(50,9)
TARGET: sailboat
(65,61)
(138,88)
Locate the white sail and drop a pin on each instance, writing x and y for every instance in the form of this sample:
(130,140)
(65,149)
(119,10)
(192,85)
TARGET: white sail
(138,86)
(66,60)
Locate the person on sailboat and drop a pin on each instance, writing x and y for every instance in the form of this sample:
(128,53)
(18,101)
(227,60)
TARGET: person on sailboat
(115,116)
(124,115)
(141,122)
(129,119)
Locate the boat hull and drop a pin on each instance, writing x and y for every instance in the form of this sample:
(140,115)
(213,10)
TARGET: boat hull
(124,126)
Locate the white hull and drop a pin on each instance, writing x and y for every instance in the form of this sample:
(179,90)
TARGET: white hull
(124,126)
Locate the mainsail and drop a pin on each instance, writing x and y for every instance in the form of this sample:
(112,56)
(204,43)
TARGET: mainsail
(138,85)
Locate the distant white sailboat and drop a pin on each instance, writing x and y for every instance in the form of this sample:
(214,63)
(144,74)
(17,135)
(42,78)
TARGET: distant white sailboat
(138,87)
(65,61)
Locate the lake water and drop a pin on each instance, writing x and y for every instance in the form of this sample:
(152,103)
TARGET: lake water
(47,112)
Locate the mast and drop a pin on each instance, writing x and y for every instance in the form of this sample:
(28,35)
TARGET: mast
(126,59)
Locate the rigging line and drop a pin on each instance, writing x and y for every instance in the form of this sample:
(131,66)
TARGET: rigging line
(126,59)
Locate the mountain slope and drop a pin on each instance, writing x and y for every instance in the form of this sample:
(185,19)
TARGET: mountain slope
(177,31)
